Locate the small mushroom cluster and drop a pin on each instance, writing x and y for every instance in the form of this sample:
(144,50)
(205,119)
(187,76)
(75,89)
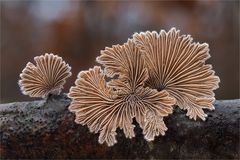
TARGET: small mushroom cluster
(143,78)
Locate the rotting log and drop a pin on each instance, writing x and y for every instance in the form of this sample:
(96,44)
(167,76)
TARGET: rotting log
(46,129)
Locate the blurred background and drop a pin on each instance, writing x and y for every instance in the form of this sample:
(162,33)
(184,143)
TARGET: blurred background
(78,30)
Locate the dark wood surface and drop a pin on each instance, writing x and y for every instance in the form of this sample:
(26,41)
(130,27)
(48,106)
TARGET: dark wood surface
(46,129)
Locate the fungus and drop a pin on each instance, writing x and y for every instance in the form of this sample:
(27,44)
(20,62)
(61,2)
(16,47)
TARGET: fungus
(143,79)
(106,105)
(46,77)
(177,65)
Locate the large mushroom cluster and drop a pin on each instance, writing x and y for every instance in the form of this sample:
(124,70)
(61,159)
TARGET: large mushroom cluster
(142,79)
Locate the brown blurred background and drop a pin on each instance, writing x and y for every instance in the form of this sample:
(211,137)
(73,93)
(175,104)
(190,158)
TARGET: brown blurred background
(78,30)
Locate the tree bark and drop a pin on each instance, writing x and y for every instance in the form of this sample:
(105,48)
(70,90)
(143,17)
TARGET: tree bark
(46,129)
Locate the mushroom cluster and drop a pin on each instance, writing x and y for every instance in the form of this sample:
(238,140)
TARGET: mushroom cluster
(105,106)
(144,79)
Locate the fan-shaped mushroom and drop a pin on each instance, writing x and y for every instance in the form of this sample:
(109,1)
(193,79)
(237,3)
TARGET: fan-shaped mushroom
(105,106)
(46,77)
(177,65)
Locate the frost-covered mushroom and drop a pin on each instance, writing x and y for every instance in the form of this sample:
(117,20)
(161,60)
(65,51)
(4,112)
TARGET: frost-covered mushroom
(46,77)
(177,65)
(105,106)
